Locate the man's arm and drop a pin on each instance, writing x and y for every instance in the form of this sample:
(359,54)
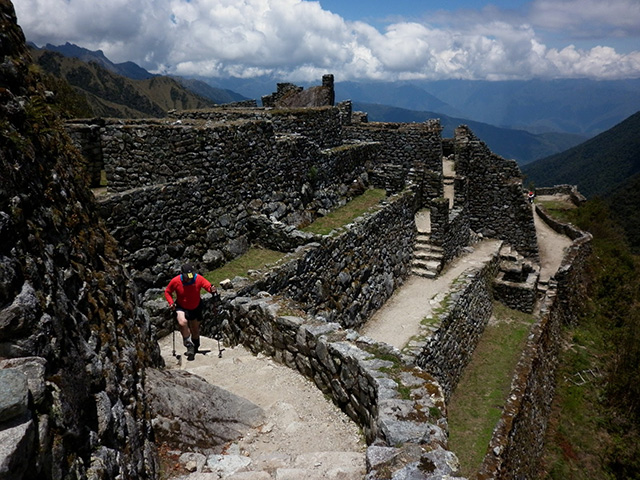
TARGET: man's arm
(168,293)
(208,286)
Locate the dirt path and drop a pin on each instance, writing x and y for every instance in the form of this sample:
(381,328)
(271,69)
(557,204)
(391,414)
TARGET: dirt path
(399,318)
(304,435)
(552,246)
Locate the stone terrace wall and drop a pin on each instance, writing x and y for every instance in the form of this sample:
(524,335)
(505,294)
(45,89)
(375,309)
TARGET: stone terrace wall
(321,125)
(86,136)
(408,436)
(405,145)
(450,229)
(517,442)
(496,203)
(242,170)
(448,341)
(571,190)
(340,280)
(346,278)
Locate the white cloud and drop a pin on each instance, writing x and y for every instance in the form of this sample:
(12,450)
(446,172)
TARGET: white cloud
(298,40)
(588,18)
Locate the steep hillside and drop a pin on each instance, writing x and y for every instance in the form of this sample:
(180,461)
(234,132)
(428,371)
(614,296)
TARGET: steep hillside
(135,72)
(111,95)
(598,166)
(522,146)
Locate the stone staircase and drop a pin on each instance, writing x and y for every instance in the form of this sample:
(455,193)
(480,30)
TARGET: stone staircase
(278,465)
(427,258)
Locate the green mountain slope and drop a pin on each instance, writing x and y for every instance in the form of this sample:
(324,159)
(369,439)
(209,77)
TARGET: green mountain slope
(111,95)
(598,166)
(135,72)
(522,146)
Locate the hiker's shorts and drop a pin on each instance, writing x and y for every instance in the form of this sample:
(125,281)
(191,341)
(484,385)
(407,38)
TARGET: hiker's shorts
(195,314)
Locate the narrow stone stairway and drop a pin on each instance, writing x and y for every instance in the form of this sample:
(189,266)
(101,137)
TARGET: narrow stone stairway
(427,258)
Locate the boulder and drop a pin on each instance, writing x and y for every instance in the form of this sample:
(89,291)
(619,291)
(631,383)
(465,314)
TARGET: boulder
(190,414)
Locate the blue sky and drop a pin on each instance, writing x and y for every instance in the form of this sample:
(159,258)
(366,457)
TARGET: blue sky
(300,40)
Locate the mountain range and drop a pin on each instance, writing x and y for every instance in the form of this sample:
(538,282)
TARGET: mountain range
(525,120)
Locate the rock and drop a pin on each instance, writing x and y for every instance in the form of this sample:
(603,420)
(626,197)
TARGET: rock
(16,448)
(34,369)
(225,465)
(14,394)
(191,414)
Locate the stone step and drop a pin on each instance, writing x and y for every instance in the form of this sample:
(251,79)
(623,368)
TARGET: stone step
(421,250)
(422,244)
(307,466)
(433,265)
(421,272)
(423,239)
(324,465)
(426,256)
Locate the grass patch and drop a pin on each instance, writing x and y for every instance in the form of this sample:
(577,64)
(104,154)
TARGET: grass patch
(476,404)
(254,259)
(346,214)
(561,210)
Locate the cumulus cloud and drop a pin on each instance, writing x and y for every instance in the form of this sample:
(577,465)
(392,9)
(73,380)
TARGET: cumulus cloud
(300,41)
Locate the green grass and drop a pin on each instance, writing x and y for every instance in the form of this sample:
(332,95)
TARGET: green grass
(561,210)
(254,259)
(346,214)
(476,404)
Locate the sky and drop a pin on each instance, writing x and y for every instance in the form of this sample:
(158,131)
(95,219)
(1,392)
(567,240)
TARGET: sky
(359,40)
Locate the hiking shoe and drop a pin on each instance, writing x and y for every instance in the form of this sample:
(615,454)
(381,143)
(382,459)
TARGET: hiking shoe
(191,351)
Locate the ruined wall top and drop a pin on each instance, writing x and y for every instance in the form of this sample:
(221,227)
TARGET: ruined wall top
(289,95)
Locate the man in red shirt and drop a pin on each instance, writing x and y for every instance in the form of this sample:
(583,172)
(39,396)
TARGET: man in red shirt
(188,305)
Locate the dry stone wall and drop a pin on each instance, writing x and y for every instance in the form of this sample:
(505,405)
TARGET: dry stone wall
(74,341)
(450,229)
(404,146)
(364,379)
(345,278)
(495,198)
(162,214)
(450,337)
(322,126)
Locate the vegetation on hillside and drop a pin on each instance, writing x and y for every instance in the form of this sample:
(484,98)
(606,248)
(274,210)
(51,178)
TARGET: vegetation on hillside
(595,423)
(597,166)
(607,166)
(111,95)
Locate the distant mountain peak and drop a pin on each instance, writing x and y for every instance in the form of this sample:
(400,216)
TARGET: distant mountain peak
(126,69)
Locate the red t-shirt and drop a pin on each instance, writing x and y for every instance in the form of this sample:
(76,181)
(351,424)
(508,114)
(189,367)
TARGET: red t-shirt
(187,296)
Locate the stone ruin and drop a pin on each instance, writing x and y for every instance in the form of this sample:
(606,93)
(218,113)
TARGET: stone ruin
(81,276)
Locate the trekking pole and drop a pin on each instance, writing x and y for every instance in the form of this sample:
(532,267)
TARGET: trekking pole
(215,298)
(173,333)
